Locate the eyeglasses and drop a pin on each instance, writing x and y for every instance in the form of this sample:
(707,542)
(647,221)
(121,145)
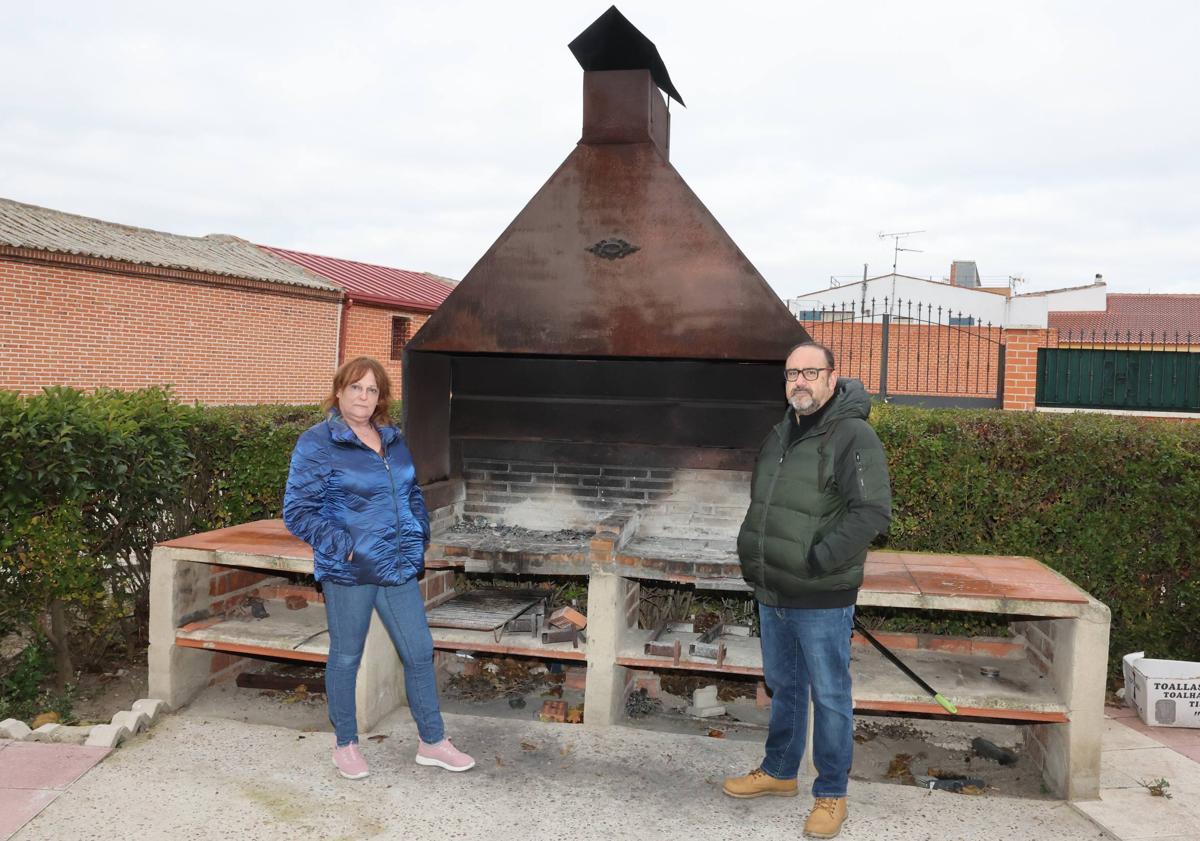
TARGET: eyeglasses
(810,374)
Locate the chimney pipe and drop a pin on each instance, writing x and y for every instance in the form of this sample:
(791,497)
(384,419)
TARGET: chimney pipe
(624,106)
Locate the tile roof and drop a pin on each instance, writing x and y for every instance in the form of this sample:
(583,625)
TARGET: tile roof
(374,284)
(1136,313)
(42,229)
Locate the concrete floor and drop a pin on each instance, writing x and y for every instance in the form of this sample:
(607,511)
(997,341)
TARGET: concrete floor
(202,776)
(1133,754)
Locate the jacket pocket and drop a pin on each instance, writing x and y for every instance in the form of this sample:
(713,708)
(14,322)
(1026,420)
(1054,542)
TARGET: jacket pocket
(870,472)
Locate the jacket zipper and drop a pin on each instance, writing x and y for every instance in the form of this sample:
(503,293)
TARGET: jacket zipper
(859,466)
(762,526)
(395,506)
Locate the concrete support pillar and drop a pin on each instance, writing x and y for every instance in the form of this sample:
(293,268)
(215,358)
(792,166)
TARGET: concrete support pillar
(176,674)
(1072,751)
(606,632)
(179,586)
(380,685)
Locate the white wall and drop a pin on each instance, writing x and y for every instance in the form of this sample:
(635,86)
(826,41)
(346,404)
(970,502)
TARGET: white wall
(1092,298)
(1024,311)
(984,306)
(1027,312)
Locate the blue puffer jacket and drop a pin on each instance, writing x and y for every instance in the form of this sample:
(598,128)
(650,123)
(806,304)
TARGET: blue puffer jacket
(342,497)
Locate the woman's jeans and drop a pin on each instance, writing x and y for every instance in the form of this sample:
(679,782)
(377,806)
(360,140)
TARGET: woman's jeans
(808,650)
(348,611)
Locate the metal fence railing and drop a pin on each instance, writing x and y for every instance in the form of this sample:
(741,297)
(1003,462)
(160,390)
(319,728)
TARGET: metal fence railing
(909,351)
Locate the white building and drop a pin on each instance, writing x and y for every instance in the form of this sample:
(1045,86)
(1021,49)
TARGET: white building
(959,301)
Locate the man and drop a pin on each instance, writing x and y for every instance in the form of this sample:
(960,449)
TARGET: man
(819,495)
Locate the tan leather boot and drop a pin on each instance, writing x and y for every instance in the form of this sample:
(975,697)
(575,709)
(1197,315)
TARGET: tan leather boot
(757,783)
(825,819)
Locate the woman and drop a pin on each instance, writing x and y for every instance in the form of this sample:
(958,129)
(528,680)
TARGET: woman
(352,495)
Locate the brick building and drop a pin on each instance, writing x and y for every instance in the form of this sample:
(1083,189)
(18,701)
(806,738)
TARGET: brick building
(383,309)
(90,304)
(93,304)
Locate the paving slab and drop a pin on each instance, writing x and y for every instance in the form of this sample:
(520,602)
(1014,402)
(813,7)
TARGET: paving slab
(19,805)
(33,774)
(28,765)
(1134,755)
(1119,736)
(1131,814)
(1183,740)
(227,778)
(1154,763)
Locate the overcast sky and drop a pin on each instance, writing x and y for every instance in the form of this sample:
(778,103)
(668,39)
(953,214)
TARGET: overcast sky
(1046,140)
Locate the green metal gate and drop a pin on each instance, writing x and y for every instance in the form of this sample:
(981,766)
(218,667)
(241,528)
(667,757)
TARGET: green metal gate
(1087,378)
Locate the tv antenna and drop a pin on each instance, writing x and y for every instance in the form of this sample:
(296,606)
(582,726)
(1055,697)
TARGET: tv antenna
(896,249)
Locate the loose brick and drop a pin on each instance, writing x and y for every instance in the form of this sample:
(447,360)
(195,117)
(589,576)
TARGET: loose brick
(567,616)
(575,677)
(553,711)
(650,682)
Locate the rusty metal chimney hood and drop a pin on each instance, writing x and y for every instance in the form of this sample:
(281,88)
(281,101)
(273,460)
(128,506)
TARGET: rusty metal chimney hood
(615,256)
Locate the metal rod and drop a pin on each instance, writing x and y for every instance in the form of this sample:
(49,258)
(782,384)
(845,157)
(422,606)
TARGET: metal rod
(937,696)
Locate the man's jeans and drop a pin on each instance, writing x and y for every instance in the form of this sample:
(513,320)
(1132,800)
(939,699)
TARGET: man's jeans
(807,650)
(348,611)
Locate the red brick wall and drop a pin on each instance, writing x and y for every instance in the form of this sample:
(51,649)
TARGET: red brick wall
(229,587)
(215,342)
(369,333)
(922,359)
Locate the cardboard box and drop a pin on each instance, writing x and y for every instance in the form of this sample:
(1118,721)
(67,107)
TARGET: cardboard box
(1166,693)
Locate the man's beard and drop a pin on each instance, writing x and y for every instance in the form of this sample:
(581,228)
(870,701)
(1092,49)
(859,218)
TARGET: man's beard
(803,402)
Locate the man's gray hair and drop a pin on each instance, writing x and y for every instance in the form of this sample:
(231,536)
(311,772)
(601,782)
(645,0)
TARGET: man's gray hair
(828,353)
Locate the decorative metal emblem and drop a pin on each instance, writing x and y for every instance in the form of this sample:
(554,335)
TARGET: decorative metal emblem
(613,249)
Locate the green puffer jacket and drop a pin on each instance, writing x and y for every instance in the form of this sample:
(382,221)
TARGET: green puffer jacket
(815,506)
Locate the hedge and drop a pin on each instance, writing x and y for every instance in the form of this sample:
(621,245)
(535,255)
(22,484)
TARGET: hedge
(1111,502)
(90,483)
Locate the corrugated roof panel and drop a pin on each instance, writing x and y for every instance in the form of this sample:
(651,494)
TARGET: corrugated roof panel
(411,290)
(43,229)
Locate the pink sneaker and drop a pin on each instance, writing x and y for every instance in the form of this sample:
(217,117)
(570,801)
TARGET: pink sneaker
(443,755)
(350,762)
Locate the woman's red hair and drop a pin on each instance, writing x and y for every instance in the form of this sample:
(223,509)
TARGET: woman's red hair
(352,372)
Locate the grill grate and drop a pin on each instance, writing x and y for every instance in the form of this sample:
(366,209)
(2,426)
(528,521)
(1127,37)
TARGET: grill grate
(481,610)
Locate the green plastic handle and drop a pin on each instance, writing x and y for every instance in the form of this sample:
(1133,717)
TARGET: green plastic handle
(945,702)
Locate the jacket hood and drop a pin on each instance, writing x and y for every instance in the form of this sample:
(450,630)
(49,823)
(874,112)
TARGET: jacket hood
(849,400)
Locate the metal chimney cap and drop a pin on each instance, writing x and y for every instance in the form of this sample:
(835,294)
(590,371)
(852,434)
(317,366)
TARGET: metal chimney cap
(613,43)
